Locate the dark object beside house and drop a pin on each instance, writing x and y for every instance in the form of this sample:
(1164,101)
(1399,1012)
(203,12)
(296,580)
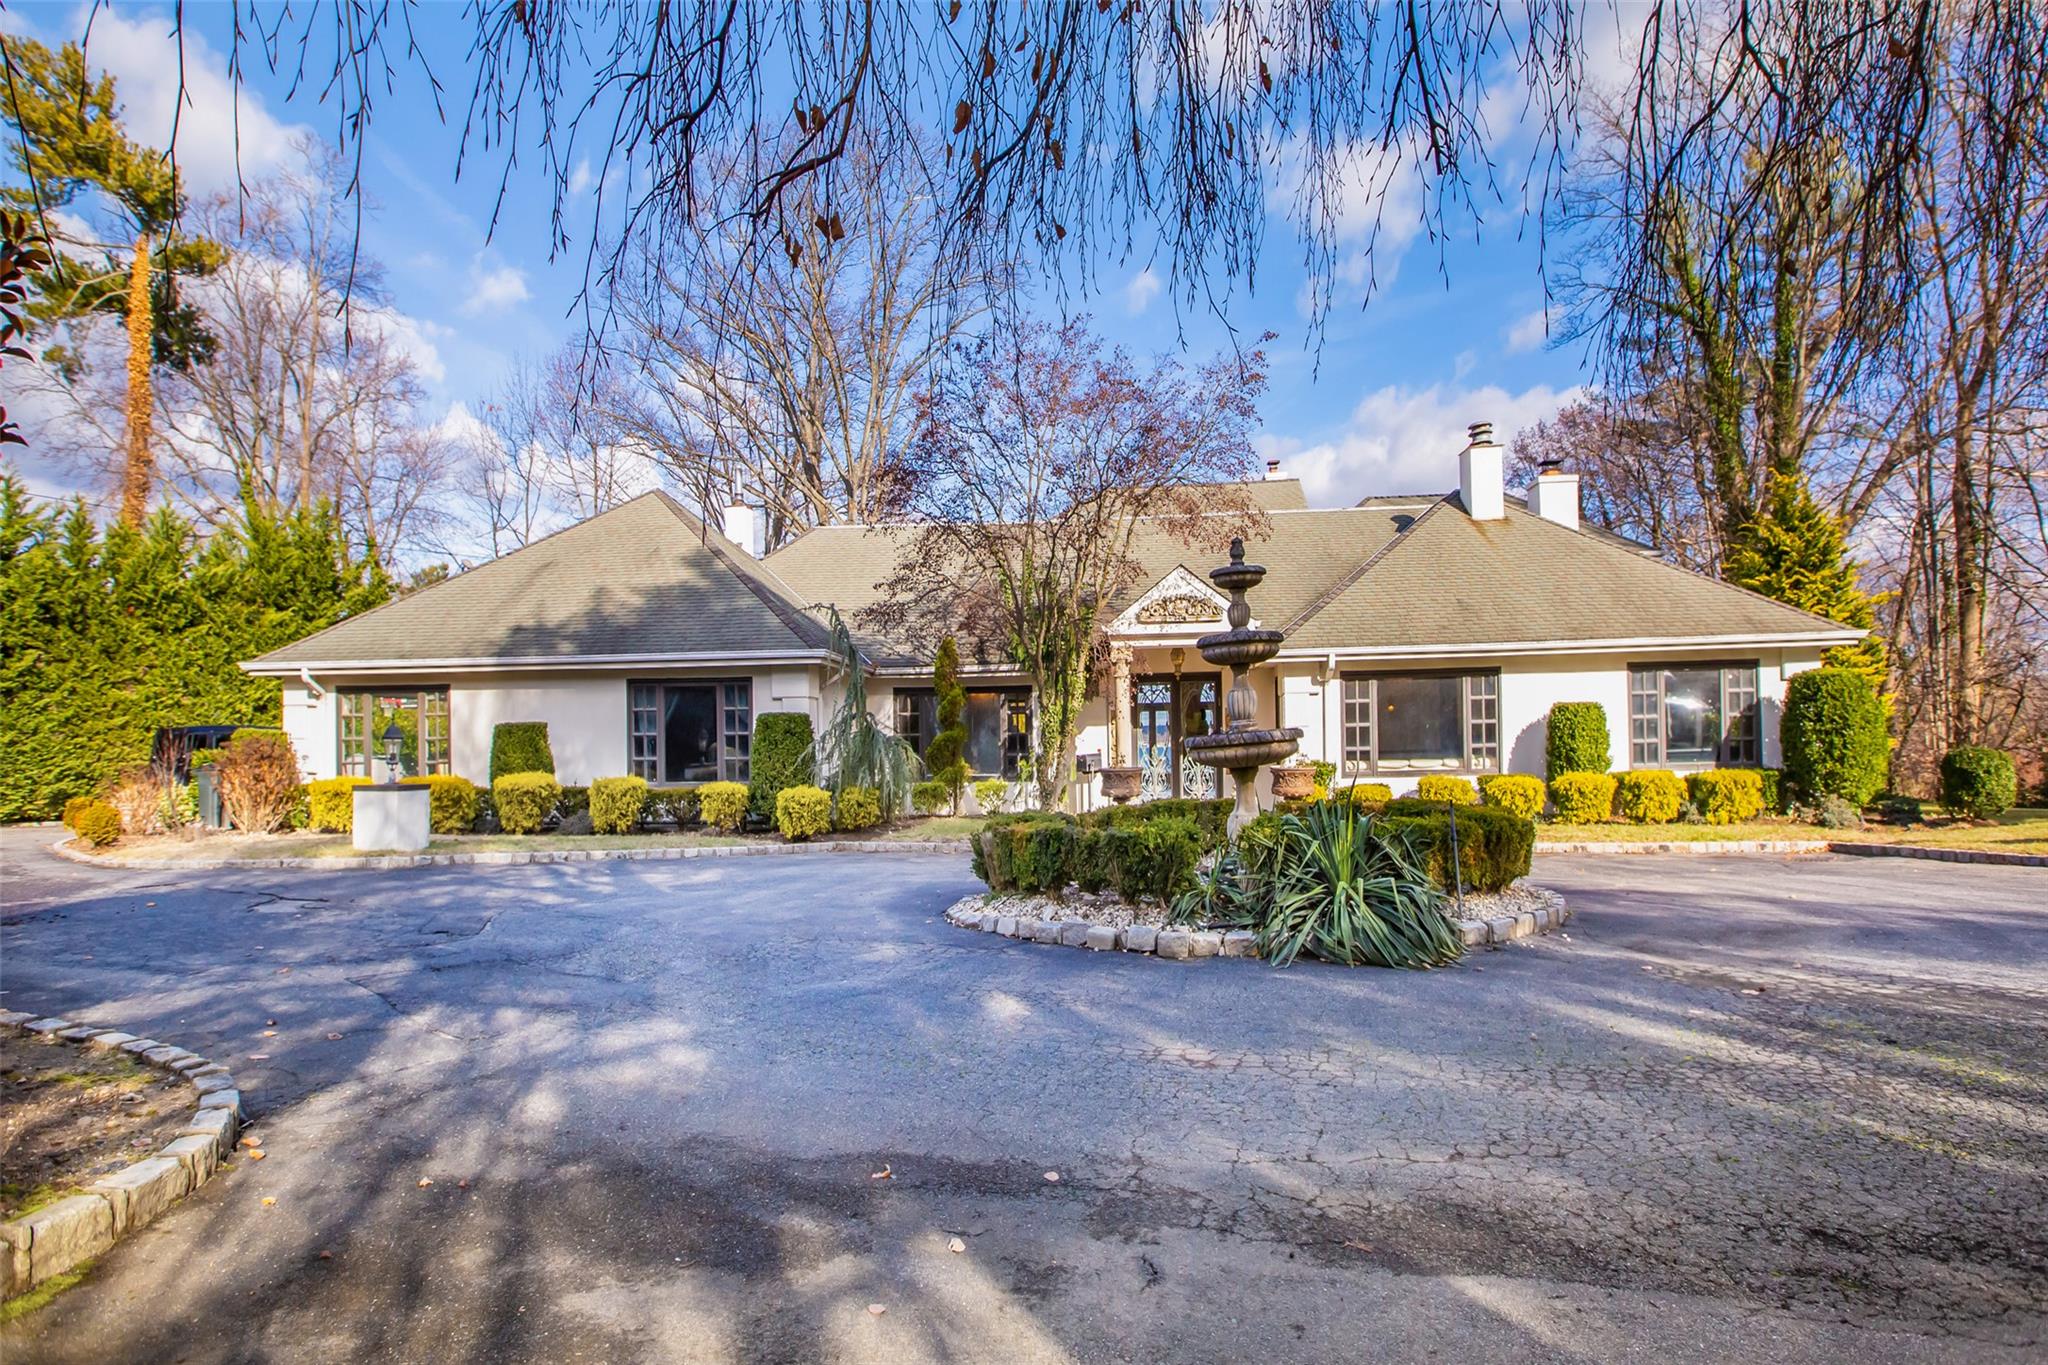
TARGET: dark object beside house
(173,745)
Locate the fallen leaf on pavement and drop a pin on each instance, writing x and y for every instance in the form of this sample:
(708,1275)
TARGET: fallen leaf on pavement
(878,1308)
(424,1182)
(334,1037)
(264,1056)
(268,1200)
(257,1154)
(326,1255)
(270,1033)
(282,971)
(956,1246)
(1053,1176)
(1358,1246)
(884,1174)
(253,1140)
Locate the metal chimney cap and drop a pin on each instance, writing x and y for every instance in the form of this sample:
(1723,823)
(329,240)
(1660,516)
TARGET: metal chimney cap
(1480,433)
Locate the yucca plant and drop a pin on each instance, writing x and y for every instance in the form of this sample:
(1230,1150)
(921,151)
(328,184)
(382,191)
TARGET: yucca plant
(1333,883)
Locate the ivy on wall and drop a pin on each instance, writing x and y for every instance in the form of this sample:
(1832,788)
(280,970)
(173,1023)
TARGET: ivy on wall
(106,634)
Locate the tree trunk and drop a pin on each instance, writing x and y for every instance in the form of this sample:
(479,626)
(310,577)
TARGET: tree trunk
(1965,509)
(139,471)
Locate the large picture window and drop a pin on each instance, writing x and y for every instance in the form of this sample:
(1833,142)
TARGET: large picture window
(684,732)
(1408,722)
(1693,715)
(421,714)
(998,726)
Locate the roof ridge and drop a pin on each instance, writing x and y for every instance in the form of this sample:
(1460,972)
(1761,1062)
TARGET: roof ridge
(1342,585)
(807,631)
(419,593)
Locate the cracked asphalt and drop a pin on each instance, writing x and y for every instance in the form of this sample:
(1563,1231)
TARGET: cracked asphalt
(1748,1108)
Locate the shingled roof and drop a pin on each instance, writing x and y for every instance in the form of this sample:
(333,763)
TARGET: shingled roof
(646,579)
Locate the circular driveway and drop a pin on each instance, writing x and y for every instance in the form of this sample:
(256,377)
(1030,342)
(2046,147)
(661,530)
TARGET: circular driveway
(1785,1108)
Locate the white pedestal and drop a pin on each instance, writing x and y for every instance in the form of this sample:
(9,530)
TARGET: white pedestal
(392,818)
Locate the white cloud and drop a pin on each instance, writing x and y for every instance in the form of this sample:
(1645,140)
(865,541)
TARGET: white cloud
(581,178)
(1402,440)
(1139,293)
(494,289)
(1530,331)
(141,54)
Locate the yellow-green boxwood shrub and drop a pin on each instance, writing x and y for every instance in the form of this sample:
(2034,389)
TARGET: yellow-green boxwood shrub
(520,746)
(524,801)
(1727,796)
(1368,793)
(723,805)
(1517,792)
(929,798)
(1582,798)
(857,808)
(452,802)
(616,804)
(990,793)
(1575,739)
(72,808)
(99,824)
(802,811)
(331,803)
(1440,787)
(1649,796)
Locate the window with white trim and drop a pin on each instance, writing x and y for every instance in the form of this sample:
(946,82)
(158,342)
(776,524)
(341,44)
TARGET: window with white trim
(1693,715)
(1421,722)
(421,715)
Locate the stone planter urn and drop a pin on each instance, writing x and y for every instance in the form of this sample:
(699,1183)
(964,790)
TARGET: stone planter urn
(1293,784)
(1122,784)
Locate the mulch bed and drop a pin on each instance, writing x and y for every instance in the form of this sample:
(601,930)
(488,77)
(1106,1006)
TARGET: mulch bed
(71,1114)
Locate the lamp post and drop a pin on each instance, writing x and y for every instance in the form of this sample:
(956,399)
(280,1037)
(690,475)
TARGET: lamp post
(393,738)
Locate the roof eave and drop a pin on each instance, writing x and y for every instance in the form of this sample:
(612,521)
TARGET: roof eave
(1846,635)
(291,668)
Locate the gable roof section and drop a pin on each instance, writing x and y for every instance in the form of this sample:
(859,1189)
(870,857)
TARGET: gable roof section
(1449,581)
(644,579)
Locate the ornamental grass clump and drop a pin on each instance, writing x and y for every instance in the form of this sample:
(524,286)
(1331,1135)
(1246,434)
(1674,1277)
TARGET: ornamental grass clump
(1333,883)
(1649,796)
(723,805)
(1518,793)
(617,803)
(524,801)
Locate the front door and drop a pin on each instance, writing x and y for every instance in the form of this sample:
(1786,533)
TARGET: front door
(1165,712)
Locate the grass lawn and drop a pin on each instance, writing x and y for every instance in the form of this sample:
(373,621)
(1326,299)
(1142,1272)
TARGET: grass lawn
(2021,830)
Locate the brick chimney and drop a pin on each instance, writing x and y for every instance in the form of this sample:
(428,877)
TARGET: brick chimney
(1480,475)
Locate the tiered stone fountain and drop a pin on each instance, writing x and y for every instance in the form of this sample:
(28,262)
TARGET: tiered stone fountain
(1241,746)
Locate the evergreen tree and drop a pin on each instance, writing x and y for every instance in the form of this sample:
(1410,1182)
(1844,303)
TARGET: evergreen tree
(946,758)
(1794,551)
(106,636)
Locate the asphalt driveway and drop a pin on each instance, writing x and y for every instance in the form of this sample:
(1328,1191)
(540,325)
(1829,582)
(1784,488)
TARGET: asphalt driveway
(1750,1108)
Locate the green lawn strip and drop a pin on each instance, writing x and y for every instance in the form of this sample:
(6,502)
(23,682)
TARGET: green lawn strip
(22,1305)
(2016,831)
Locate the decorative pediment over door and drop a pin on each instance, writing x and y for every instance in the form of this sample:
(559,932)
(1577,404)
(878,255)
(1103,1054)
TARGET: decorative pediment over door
(1171,606)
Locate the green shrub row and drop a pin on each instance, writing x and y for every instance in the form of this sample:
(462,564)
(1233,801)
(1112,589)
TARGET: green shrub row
(1517,793)
(524,801)
(802,811)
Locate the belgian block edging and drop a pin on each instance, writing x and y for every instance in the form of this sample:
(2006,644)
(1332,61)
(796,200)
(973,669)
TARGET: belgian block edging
(1178,942)
(56,1237)
(1945,855)
(387,862)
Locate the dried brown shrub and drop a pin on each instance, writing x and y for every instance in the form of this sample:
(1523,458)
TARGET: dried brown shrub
(259,782)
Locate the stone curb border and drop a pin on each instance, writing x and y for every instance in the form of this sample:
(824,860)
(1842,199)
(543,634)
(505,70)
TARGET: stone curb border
(1944,855)
(1179,944)
(56,1237)
(386,862)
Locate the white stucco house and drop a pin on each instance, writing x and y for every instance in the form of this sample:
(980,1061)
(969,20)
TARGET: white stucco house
(1425,634)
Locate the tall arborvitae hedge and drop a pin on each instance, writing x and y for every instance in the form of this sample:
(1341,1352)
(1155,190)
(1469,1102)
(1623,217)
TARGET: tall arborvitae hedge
(107,634)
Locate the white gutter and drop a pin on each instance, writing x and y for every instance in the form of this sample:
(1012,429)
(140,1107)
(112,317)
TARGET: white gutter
(1848,635)
(529,664)
(306,677)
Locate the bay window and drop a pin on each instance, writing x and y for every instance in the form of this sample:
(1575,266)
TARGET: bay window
(1693,715)
(421,714)
(1394,722)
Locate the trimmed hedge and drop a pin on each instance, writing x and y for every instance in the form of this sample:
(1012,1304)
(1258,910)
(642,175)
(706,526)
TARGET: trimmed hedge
(1441,788)
(723,804)
(857,808)
(1582,798)
(525,800)
(781,758)
(331,804)
(676,804)
(1978,782)
(929,798)
(98,823)
(1834,736)
(1211,817)
(453,803)
(990,793)
(520,746)
(617,803)
(1576,740)
(1368,793)
(1727,796)
(1494,845)
(1518,793)
(72,808)
(802,811)
(574,801)
(1649,796)
(1774,789)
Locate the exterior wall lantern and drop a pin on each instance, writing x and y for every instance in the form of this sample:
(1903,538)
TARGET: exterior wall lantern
(393,738)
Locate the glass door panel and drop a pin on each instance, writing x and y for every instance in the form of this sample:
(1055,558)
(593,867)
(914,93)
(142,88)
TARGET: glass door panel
(689,726)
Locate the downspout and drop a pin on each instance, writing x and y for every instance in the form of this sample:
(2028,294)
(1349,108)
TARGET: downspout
(319,692)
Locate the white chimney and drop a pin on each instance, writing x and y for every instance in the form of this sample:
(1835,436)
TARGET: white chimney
(1555,496)
(747,528)
(1480,475)
(1273,470)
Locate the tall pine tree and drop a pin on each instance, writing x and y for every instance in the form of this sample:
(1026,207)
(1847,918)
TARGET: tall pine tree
(946,759)
(1794,551)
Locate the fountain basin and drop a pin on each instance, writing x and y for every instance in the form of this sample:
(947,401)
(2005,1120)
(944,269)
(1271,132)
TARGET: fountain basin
(1238,749)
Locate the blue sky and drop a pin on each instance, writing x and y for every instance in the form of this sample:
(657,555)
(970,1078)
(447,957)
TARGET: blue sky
(1380,407)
